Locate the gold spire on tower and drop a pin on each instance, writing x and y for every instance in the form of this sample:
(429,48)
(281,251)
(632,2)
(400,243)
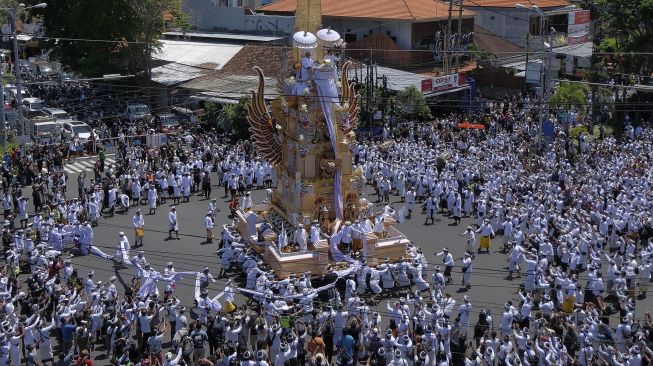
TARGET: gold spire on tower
(308,17)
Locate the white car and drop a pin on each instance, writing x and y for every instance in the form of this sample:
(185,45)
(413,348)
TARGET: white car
(137,112)
(59,114)
(33,104)
(78,129)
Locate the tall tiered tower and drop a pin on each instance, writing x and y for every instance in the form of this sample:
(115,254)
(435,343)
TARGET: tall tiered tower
(307,132)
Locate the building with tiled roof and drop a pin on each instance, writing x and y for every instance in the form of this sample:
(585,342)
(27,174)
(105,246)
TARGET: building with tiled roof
(411,10)
(512,20)
(542,4)
(400,33)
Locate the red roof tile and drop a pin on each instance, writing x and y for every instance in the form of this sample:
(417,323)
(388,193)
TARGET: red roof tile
(513,3)
(490,42)
(373,9)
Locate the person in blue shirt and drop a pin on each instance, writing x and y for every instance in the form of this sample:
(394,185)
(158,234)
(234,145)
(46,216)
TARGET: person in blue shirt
(346,347)
(67,333)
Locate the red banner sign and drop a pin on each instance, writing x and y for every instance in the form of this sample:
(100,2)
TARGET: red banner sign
(444,82)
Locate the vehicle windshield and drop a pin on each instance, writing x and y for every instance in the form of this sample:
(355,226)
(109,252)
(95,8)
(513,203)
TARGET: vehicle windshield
(139,109)
(81,129)
(169,121)
(36,105)
(61,115)
(47,129)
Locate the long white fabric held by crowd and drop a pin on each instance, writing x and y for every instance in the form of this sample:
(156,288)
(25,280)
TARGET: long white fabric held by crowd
(96,251)
(327,91)
(213,303)
(124,252)
(337,255)
(149,285)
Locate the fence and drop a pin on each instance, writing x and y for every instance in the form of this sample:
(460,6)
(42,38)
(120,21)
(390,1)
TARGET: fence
(91,147)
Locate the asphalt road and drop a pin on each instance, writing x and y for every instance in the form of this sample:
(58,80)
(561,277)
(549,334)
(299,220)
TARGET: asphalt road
(490,289)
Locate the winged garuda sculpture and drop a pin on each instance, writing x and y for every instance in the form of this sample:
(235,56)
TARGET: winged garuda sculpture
(262,126)
(348,98)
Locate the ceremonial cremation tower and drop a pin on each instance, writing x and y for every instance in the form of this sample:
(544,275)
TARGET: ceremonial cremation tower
(308,130)
(307,133)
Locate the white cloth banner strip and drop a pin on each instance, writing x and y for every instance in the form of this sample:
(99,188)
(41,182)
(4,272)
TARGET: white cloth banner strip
(96,251)
(328,93)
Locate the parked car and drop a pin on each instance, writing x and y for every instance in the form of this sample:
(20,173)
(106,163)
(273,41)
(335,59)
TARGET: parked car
(25,67)
(33,104)
(42,68)
(44,130)
(167,123)
(12,92)
(78,129)
(60,114)
(137,113)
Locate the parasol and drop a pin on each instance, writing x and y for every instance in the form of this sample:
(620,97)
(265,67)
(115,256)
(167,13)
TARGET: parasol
(477,126)
(327,37)
(303,39)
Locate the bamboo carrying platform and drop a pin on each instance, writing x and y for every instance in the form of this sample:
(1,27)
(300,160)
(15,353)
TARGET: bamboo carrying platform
(317,259)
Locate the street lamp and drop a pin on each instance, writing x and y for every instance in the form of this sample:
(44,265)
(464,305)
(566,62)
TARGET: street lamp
(13,13)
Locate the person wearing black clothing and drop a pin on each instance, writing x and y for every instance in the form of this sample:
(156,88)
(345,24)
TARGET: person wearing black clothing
(355,331)
(327,337)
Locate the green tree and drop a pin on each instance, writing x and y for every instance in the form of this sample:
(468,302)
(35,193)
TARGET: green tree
(72,24)
(570,95)
(411,104)
(236,114)
(628,27)
(152,25)
(97,37)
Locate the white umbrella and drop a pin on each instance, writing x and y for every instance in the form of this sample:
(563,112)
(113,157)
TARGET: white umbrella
(327,37)
(303,39)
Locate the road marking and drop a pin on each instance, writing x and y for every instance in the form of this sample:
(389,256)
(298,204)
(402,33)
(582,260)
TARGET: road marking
(84,165)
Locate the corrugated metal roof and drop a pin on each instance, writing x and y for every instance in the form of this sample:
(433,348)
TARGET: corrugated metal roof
(205,55)
(172,74)
(419,10)
(397,79)
(224,36)
(583,50)
(231,86)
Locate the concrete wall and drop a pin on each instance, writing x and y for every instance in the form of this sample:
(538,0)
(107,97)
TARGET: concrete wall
(209,17)
(400,30)
(510,24)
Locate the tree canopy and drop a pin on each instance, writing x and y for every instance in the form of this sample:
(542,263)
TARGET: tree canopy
(628,27)
(570,95)
(411,104)
(97,37)
(236,114)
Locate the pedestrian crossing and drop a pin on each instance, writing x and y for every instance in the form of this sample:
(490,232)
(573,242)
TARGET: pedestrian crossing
(85,164)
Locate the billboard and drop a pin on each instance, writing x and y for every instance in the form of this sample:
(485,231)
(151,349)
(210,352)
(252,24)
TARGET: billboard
(427,85)
(578,30)
(444,82)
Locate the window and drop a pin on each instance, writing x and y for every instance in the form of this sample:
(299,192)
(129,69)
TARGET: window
(491,17)
(534,26)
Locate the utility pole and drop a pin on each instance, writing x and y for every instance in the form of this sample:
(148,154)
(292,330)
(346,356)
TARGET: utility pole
(528,46)
(2,114)
(370,90)
(460,33)
(447,40)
